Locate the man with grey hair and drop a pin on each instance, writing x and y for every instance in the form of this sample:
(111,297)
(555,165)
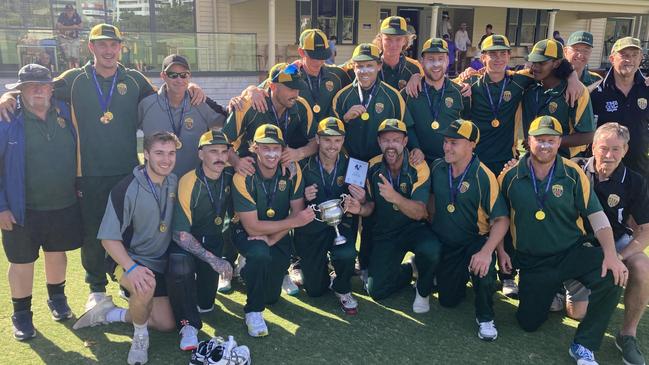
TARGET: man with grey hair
(624,195)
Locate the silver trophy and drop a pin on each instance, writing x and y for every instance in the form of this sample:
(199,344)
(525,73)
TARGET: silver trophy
(331,213)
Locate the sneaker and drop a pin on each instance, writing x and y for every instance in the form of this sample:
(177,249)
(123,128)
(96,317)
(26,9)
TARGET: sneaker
(206,310)
(225,285)
(122,294)
(582,355)
(289,286)
(558,303)
(420,304)
(138,354)
(240,355)
(228,353)
(348,303)
(628,346)
(201,352)
(188,338)
(510,289)
(256,324)
(487,330)
(241,263)
(93,299)
(23,325)
(364,278)
(295,273)
(96,315)
(59,307)
(415,272)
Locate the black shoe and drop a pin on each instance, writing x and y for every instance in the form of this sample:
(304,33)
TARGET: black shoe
(23,326)
(59,307)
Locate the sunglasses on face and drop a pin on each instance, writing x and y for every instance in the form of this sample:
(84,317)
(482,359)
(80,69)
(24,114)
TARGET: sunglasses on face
(175,75)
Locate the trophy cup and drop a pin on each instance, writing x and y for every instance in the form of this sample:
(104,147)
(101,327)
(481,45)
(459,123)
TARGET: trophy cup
(331,213)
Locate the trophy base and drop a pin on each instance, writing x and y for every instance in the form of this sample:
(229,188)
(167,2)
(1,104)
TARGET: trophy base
(340,240)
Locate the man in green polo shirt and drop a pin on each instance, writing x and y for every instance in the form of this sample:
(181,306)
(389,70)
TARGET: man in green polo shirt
(268,204)
(470,219)
(547,97)
(398,193)
(577,51)
(440,102)
(549,197)
(316,243)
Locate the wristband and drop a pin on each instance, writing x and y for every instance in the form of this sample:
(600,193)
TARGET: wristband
(131,268)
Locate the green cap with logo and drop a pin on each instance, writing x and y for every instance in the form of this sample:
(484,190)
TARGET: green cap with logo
(211,138)
(366,52)
(495,42)
(314,42)
(286,74)
(462,129)
(104,31)
(547,49)
(580,37)
(268,134)
(435,45)
(331,126)
(626,42)
(394,25)
(545,125)
(392,125)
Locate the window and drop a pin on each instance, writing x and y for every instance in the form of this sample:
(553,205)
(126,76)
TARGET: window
(526,26)
(334,17)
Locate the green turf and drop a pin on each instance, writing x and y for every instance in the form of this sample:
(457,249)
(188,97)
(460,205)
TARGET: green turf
(307,330)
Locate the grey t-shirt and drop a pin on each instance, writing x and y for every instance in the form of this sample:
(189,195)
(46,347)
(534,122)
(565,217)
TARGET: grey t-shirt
(133,217)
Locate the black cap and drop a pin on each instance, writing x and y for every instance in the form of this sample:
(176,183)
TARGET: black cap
(31,73)
(69,7)
(175,59)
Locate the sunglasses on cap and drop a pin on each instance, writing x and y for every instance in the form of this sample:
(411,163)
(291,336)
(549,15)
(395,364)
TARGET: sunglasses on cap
(291,69)
(175,75)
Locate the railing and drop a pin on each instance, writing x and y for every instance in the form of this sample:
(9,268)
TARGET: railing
(206,52)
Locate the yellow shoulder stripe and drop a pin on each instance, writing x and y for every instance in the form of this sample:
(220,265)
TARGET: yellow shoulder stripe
(309,113)
(239,182)
(185,188)
(583,179)
(298,178)
(374,160)
(423,173)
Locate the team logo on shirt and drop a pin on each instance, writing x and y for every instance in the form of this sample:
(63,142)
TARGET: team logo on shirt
(642,103)
(613,200)
(449,102)
(189,123)
(378,107)
(227,190)
(402,84)
(121,88)
(340,180)
(403,187)
(281,185)
(61,122)
(464,187)
(507,95)
(552,107)
(557,190)
(329,85)
(611,106)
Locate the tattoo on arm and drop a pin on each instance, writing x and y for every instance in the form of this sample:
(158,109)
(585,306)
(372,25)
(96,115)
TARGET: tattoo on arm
(186,241)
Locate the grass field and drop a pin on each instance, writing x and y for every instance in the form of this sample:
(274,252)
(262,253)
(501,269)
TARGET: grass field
(307,331)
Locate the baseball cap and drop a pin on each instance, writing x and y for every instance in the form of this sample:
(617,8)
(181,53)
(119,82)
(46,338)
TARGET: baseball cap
(392,125)
(69,7)
(268,134)
(366,52)
(394,25)
(547,49)
(462,129)
(31,73)
(331,126)
(104,31)
(495,42)
(211,138)
(582,37)
(545,125)
(314,42)
(175,59)
(286,74)
(435,45)
(626,42)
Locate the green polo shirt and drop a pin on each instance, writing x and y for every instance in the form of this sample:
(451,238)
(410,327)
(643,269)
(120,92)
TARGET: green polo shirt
(497,144)
(361,135)
(398,76)
(412,183)
(249,194)
(320,90)
(50,162)
(578,119)
(104,149)
(241,125)
(477,204)
(569,200)
(588,77)
(449,105)
(195,213)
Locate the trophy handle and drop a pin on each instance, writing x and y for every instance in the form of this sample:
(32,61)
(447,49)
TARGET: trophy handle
(317,210)
(343,196)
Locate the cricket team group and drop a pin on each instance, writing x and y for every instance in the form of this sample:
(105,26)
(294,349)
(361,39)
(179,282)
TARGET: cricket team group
(535,179)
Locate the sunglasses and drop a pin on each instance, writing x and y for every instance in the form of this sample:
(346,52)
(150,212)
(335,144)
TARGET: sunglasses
(175,75)
(291,69)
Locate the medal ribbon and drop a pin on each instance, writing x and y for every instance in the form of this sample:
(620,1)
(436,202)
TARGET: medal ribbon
(216,205)
(328,189)
(495,108)
(369,98)
(400,66)
(155,195)
(178,129)
(390,178)
(284,119)
(540,200)
(271,197)
(314,92)
(434,108)
(453,190)
(104,102)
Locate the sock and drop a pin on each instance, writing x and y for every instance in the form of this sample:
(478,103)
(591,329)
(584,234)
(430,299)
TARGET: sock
(22,304)
(53,289)
(140,329)
(116,315)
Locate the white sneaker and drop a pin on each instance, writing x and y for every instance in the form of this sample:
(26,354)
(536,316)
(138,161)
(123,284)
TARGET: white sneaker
(420,304)
(93,299)
(241,263)
(225,285)
(510,289)
(289,286)
(348,303)
(295,273)
(256,324)
(558,303)
(188,338)
(487,330)
(95,315)
(206,310)
(138,354)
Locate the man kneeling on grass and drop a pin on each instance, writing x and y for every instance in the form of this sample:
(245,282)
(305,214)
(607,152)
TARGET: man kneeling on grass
(135,233)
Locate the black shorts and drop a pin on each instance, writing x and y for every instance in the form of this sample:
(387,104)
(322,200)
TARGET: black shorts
(54,230)
(160,282)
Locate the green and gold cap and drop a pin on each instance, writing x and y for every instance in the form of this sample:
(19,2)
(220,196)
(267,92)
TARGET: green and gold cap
(268,134)
(626,42)
(547,49)
(462,129)
(366,52)
(287,74)
(392,125)
(495,42)
(545,125)
(435,45)
(211,138)
(580,37)
(314,42)
(331,126)
(394,25)
(105,31)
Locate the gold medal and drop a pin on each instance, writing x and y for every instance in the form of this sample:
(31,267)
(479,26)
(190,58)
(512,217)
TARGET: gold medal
(539,215)
(450,208)
(434,124)
(365,116)
(395,207)
(179,145)
(316,108)
(218,221)
(163,227)
(108,115)
(495,123)
(270,212)
(103,120)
